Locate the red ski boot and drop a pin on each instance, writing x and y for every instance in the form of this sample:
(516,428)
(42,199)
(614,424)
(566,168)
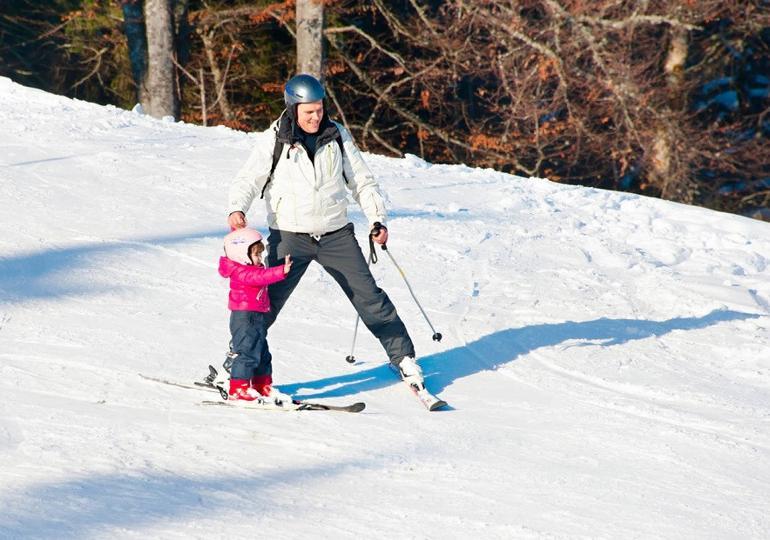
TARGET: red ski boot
(264,385)
(240,389)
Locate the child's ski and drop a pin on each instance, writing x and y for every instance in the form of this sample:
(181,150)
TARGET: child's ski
(293,406)
(195,386)
(428,400)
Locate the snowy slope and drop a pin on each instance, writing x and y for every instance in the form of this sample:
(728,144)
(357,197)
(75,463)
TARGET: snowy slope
(606,356)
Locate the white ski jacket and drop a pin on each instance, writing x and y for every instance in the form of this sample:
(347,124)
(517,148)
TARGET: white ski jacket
(307,196)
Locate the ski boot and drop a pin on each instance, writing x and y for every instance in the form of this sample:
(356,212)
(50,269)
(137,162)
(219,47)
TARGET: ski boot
(241,390)
(264,385)
(411,373)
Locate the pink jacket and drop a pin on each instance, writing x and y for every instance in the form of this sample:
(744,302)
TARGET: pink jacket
(248,284)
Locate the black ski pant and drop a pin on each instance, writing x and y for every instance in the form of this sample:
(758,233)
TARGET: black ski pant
(340,255)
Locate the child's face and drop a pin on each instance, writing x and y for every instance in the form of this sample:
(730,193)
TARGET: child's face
(255,253)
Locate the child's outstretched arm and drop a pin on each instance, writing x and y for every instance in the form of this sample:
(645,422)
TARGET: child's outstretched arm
(258,276)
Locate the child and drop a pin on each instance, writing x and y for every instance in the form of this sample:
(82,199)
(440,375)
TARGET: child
(251,369)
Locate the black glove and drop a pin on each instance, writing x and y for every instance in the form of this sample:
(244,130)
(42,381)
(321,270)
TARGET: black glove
(376,228)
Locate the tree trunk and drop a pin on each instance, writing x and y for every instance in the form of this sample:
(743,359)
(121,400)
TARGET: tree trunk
(674,67)
(182,33)
(310,46)
(669,171)
(161,89)
(183,30)
(134,28)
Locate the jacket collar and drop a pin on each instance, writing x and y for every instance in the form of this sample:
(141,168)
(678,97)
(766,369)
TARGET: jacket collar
(289,132)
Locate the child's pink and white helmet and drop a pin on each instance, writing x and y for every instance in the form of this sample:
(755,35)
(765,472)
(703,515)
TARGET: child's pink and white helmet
(239,242)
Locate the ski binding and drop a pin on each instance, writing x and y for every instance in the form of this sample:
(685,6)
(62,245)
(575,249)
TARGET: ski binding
(429,401)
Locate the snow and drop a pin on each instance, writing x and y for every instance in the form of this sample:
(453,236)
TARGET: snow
(606,356)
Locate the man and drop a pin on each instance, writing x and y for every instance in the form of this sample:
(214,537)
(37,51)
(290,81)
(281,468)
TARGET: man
(315,164)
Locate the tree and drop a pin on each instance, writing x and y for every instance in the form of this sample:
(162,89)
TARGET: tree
(134,28)
(161,95)
(310,48)
(664,98)
(667,170)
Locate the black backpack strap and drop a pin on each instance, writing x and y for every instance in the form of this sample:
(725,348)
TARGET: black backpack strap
(342,155)
(277,149)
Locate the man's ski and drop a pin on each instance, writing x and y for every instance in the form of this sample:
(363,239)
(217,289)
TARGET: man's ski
(430,401)
(293,406)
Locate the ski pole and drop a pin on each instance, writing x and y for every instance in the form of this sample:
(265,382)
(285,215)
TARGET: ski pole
(436,335)
(351,357)
(372,260)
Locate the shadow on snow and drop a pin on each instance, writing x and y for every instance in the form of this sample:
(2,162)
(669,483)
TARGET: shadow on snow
(61,272)
(494,350)
(85,507)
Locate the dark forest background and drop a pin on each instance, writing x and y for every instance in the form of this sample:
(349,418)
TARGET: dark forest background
(664,98)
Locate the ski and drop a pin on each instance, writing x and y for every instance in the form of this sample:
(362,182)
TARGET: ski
(429,401)
(195,386)
(293,406)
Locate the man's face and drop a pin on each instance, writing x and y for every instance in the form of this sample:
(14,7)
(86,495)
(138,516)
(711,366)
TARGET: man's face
(309,116)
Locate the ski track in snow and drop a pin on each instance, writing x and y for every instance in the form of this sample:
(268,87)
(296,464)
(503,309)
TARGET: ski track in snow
(605,355)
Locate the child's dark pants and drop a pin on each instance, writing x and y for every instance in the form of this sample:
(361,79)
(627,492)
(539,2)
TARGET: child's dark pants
(249,333)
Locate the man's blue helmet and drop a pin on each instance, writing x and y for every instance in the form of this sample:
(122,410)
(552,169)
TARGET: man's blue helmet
(302,88)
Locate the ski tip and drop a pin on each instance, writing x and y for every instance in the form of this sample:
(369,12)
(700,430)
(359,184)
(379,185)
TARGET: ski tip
(354,408)
(440,404)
